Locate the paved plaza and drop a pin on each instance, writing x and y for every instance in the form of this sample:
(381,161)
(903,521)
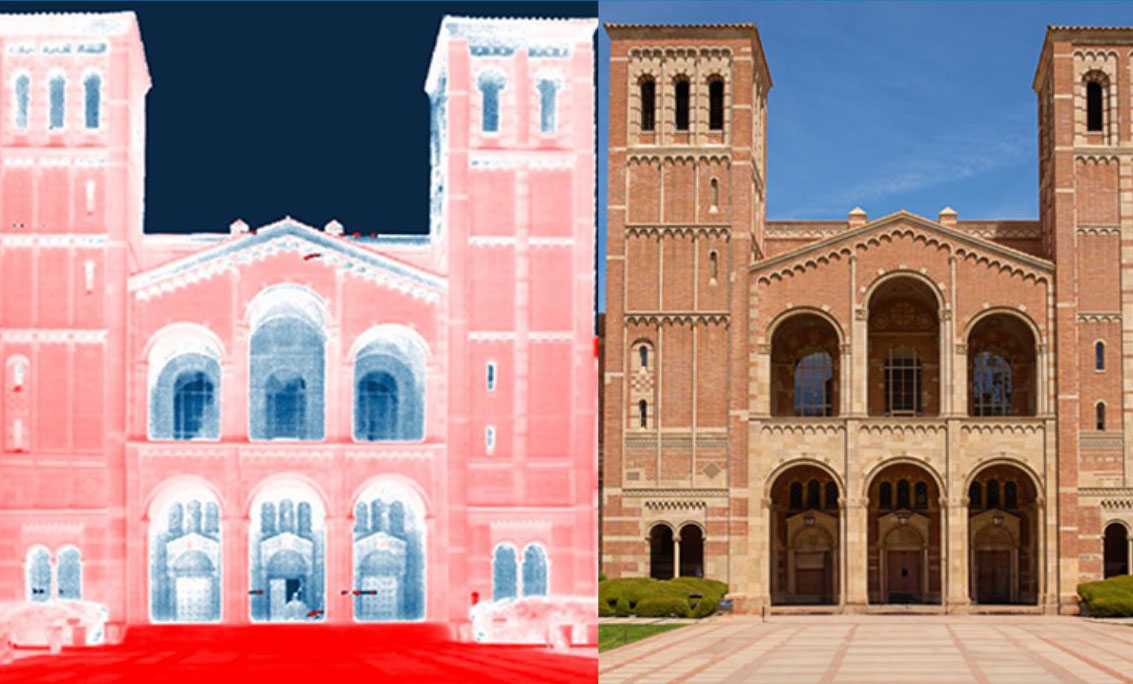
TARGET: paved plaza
(874,649)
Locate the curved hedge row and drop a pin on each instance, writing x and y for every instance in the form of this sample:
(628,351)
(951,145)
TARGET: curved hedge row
(646,597)
(1109,598)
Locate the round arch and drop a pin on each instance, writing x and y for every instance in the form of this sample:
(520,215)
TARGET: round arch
(1118,521)
(177,339)
(393,481)
(291,298)
(179,487)
(1003,460)
(786,466)
(681,525)
(877,468)
(884,278)
(978,317)
(289,484)
(787,314)
(405,339)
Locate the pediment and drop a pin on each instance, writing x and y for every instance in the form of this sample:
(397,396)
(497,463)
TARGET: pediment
(901,224)
(289,236)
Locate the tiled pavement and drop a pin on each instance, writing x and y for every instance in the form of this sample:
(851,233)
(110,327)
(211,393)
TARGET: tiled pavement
(875,649)
(318,655)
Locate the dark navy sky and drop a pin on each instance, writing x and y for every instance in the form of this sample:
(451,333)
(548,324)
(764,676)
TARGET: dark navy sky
(260,110)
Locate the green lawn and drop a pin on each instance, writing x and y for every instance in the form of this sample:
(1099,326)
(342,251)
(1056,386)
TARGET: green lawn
(612,636)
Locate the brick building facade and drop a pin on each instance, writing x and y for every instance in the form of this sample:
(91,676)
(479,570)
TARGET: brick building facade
(863,412)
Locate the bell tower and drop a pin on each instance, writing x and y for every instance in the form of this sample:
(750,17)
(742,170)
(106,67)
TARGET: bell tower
(1086,210)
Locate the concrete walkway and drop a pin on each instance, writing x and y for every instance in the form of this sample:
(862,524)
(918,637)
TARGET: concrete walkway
(875,649)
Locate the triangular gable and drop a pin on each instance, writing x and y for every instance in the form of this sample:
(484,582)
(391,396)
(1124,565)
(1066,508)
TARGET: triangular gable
(962,242)
(288,235)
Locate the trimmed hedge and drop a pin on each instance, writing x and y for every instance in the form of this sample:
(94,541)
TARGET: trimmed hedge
(647,597)
(1108,598)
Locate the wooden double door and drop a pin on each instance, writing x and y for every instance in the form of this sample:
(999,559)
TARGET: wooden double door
(904,576)
(993,581)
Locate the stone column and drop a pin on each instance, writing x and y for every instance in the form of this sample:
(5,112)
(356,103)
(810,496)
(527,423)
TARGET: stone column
(234,580)
(339,572)
(676,556)
(1129,557)
(857,554)
(956,560)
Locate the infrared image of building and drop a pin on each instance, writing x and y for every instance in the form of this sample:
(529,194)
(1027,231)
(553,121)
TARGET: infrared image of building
(287,423)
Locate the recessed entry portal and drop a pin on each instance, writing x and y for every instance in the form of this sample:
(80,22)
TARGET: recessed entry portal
(805,537)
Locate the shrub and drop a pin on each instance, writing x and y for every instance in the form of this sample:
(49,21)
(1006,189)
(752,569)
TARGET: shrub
(1109,598)
(601,577)
(699,597)
(605,610)
(662,607)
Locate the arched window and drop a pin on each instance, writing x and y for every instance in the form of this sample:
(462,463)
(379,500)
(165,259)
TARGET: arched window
(831,499)
(56,93)
(38,574)
(716,104)
(389,386)
(885,495)
(813,494)
(69,574)
(681,88)
(377,407)
(22,94)
(648,103)
(286,400)
(902,382)
(490,86)
(504,573)
(491,376)
(714,187)
(713,265)
(975,496)
(991,385)
(903,494)
(1094,105)
(184,393)
(92,90)
(796,496)
(1011,496)
(643,351)
(489,439)
(813,375)
(192,399)
(643,413)
(1099,356)
(534,571)
(920,496)
(287,369)
(1100,415)
(547,91)
(993,493)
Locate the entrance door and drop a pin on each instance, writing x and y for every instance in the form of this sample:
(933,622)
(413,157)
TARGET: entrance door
(994,576)
(382,604)
(810,576)
(904,576)
(194,599)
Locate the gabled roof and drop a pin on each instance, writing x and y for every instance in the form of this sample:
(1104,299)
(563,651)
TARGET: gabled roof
(289,235)
(953,235)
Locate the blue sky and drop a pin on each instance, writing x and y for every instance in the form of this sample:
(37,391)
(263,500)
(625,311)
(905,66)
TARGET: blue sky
(888,105)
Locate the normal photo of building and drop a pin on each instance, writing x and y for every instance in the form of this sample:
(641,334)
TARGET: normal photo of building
(868,411)
(295,423)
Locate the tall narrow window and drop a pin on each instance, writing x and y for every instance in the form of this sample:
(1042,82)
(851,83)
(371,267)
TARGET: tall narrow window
(885,495)
(92,91)
(644,351)
(38,575)
(504,573)
(491,376)
(377,407)
(534,571)
(490,439)
(813,375)
(902,382)
(681,108)
(1099,356)
(1011,496)
(69,574)
(22,88)
(192,397)
(714,187)
(975,496)
(1093,106)
(643,413)
(56,92)
(920,496)
(490,86)
(813,494)
(286,407)
(648,104)
(716,104)
(547,91)
(830,497)
(991,385)
(713,265)
(903,494)
(796,496)
(993,493)
(1100,415)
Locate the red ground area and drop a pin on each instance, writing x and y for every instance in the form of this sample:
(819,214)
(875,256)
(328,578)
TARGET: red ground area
(306,654)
